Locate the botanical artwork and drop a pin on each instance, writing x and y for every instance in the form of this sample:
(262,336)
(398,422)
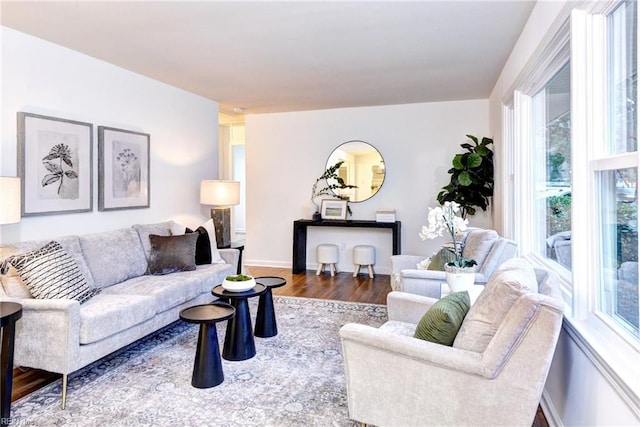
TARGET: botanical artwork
(123,169)
(55,164)
(59,176)
(126,169)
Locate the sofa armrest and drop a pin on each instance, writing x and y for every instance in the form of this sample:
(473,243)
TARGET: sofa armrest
(48,334)
(406,307)
(230,256)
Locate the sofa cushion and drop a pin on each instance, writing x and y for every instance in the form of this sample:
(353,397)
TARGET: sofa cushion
(509,282)
(172,253)
(396,327)
(478,244)
(144,230)
(176,288)
(108,314)
(441,322)
(113,256)
(50,273)
(13,284)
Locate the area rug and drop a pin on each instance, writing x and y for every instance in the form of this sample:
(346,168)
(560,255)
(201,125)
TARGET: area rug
(296,378)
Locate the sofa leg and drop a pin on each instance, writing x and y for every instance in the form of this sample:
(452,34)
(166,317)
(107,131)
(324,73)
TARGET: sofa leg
(64,390)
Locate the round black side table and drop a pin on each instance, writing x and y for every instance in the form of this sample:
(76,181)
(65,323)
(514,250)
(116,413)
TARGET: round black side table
(10,312)
(207,367)
(238,340)
(266,325)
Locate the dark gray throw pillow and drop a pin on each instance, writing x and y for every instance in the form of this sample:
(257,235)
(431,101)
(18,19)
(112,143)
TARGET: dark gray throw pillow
(172,253)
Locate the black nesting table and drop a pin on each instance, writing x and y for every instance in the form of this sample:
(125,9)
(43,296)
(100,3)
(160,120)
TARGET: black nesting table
(266,325)
(238,342)
(207,367)
(10,312)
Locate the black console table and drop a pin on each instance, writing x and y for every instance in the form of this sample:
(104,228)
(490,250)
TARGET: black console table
(300,236)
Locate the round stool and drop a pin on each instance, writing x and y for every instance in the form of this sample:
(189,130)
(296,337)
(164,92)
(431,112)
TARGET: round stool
(363,255)
(327,254)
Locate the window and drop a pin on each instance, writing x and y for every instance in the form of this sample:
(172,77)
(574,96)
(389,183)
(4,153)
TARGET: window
(551,117)
(616,177)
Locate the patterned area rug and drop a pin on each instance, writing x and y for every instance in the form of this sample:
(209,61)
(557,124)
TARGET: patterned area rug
(296,378)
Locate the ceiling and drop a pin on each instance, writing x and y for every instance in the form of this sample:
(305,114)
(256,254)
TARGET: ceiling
(288,56)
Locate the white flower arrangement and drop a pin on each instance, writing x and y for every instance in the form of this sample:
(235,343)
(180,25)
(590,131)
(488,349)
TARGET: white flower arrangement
(443,218)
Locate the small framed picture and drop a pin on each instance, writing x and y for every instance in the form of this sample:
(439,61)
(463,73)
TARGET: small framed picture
(55,162)
(334,209)
(123,169)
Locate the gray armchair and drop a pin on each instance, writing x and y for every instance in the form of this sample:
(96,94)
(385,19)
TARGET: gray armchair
(394,379)
(485,246)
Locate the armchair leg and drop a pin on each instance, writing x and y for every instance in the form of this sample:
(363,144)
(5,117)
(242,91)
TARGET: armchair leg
(64,390)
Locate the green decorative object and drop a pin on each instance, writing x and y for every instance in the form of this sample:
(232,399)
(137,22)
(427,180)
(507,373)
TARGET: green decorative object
(444,256)
(327,182)
(471,183)
(440,324)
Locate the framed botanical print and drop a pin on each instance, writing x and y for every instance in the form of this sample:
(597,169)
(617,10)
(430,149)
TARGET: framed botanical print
(123,169)
(55,162)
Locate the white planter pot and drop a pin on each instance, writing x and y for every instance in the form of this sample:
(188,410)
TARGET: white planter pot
(460,278)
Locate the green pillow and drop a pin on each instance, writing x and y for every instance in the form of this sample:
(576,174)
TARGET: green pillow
(441,322)
(438,261)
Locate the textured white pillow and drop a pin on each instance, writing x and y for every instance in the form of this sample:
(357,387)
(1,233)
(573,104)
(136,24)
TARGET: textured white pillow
(207,229)
(51,273)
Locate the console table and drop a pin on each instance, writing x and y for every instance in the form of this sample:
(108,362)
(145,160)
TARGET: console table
(300,236)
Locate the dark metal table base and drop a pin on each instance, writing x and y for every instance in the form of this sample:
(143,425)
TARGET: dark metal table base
(266,325)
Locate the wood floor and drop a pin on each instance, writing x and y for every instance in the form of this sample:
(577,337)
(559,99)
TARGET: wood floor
(342,287)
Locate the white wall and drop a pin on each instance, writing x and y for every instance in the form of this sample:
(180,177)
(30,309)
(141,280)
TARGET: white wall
(578,392)
(286,152)
(44,78)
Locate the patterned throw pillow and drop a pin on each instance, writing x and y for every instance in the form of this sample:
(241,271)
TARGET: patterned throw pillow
(50,273)
(441,322)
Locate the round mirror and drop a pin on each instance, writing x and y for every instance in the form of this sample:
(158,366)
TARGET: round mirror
(363,166)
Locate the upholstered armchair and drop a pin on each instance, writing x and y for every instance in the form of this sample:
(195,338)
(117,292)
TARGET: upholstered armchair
(485,246)
(488,377)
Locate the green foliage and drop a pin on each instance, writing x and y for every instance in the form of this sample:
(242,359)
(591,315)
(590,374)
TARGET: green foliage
(327,182)
(471,183)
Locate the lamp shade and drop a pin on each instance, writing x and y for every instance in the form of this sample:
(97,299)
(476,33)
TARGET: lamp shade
(219,193)
(9,200)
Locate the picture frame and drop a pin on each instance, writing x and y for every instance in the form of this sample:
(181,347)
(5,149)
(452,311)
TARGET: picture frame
(333,209)
(123,169)
(55,164)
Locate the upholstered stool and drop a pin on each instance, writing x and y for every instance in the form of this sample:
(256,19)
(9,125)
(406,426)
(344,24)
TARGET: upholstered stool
(327,254)
(363,255)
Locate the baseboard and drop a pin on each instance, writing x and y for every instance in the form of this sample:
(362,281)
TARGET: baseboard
(310,266)
(550,413)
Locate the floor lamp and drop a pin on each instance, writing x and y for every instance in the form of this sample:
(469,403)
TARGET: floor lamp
(221,195)
(9,200)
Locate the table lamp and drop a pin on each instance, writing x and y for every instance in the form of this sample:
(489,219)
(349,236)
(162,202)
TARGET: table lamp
(9,200)
(221,195)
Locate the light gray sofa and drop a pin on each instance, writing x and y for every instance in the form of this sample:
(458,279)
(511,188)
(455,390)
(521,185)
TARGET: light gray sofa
(62,335)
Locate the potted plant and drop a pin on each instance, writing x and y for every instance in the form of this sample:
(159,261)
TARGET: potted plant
(238,283)
(460,272)
(325,184)
(471,183)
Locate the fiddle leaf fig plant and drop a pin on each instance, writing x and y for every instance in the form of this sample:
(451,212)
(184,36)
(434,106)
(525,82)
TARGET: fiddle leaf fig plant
(471,184)
(327,182)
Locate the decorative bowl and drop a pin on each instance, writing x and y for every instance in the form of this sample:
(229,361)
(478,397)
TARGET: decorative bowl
(238,283)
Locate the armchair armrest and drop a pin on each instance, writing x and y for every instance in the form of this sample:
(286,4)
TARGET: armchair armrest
(401,347)
(406,307)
